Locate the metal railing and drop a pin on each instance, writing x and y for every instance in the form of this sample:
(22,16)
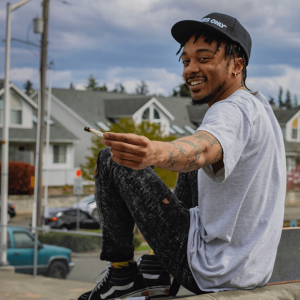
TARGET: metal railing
(48,252)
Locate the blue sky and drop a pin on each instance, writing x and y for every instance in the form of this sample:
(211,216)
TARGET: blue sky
(129,40)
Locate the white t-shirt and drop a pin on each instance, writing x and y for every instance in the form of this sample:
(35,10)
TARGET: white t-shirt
(236,228)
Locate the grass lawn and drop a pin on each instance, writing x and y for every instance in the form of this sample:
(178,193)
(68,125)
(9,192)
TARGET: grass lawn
(143,248)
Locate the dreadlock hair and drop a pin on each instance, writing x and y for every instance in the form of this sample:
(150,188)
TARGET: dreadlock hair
(231,48)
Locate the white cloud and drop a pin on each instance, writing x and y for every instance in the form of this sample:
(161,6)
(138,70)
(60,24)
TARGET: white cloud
(270,85)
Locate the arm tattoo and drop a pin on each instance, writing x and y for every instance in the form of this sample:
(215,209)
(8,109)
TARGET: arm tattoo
(190,154)
(218,156)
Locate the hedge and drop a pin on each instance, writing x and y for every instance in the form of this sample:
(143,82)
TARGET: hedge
(19,178)
(76,242)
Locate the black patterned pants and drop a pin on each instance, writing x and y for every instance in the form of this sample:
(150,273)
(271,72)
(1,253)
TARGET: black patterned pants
(125,196)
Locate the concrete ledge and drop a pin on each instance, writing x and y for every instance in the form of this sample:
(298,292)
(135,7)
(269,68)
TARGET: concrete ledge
(288,291)
(10,269)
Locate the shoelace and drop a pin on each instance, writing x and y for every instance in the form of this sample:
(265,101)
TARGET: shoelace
(101,281)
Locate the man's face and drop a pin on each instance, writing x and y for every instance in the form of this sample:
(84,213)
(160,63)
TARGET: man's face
(205,73)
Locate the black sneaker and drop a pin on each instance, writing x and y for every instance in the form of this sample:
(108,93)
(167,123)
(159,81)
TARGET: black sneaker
(117,283)
(155,274)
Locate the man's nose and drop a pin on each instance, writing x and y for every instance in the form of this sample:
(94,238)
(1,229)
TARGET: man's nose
(193,67)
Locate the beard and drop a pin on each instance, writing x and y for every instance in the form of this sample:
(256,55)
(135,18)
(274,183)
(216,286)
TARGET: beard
(211,96)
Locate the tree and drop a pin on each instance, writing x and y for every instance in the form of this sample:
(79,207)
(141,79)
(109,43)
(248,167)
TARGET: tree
(28,87)
(280,102)
(142,88)
(93,85)
(182,91)
(288,101)
(119,88)
(271,100)
(71,86)
(295,101)
(126,125)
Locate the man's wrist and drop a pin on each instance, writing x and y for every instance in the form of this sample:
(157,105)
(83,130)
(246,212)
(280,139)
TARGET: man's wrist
(157,158)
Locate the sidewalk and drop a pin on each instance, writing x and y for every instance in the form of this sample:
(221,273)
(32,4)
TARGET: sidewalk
(16,286)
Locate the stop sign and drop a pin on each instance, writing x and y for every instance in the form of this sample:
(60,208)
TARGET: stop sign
(78,173)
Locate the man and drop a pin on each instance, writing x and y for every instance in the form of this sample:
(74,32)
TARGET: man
(220,228)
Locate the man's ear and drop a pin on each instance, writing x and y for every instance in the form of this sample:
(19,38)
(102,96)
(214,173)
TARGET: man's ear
(238,65)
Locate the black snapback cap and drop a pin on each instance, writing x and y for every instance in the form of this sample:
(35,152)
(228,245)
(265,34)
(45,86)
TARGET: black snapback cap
(220,23)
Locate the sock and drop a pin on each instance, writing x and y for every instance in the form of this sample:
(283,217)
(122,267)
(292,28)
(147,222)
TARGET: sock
(151,252)
(122,264)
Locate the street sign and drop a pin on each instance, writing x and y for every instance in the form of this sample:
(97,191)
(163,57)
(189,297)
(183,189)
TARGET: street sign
(293,223)
(78,173)
(78,186)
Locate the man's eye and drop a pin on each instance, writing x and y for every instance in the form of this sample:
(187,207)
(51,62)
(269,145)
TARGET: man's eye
(185,61)
(202,58)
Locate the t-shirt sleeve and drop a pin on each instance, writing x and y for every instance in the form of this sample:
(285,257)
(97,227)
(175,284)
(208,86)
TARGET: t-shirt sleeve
(231,127)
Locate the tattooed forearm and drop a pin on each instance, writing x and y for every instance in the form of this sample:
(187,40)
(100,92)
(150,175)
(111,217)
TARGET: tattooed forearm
(218,155)
(186,154)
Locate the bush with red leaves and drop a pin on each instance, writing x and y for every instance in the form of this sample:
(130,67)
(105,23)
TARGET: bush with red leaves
(19,181)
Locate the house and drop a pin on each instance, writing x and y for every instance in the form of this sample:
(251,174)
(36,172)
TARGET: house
(22,137)
(290,125)
(76,109)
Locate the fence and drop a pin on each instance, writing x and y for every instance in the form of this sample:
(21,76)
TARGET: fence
(48,252)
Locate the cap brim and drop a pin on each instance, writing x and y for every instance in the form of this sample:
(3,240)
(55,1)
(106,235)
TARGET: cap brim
(183,30)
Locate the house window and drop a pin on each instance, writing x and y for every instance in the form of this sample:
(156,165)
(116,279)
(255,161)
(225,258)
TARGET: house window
(59,154)
(295,129)
(146,114)
(156,114)
(16,110)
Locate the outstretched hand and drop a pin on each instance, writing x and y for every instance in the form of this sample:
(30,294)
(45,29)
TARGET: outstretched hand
(130,150)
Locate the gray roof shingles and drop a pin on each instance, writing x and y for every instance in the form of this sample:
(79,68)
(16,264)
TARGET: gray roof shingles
(284,116)
(94,106)
(57,133)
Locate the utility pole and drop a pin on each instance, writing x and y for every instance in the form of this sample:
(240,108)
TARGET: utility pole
(5,136)
(44,46)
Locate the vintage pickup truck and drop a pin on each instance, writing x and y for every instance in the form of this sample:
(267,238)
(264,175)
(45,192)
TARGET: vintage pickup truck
(53,261)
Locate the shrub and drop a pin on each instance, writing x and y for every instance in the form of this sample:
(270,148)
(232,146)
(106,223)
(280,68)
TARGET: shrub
(75,242)
(19,178)
(137,241)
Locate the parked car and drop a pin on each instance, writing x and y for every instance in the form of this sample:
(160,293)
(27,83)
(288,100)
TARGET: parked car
(66,219)
(11,212)
(53,261)
(88,205)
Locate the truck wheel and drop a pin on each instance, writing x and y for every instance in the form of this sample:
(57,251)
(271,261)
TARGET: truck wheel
(58,269)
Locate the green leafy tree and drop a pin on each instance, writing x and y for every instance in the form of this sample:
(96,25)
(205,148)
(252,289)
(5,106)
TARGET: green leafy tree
(28,87)
(182,91)
(126,125)
(280,101)
(142,88)
(288,100)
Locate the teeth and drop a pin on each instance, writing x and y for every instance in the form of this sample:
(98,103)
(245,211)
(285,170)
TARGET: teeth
(197,82)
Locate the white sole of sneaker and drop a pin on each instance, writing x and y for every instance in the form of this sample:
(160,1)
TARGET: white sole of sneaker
(139,293)
(161,290)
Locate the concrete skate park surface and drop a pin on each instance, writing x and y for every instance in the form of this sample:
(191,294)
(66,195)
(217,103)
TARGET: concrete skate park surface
(18,286)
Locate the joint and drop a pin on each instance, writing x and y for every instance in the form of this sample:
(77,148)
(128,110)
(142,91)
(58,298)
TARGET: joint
(166,201)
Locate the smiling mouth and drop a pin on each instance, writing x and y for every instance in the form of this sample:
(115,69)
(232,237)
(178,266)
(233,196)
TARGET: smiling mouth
(195,82)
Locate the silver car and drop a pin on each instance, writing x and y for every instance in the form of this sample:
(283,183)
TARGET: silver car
(88,204)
